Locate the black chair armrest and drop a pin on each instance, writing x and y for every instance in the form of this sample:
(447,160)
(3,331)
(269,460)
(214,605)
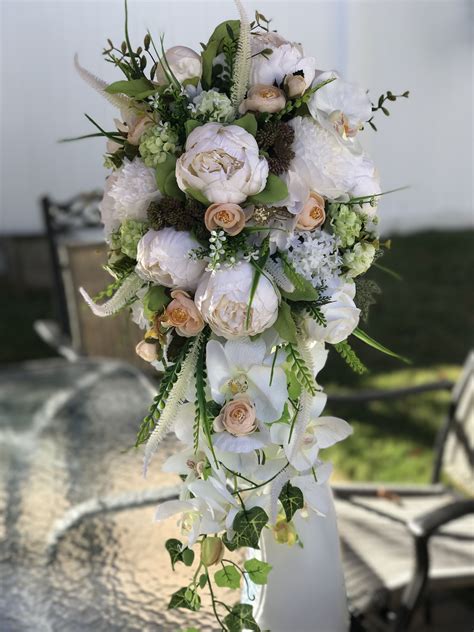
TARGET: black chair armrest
(424,526)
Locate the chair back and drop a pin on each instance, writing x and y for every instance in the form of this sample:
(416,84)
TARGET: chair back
(456,444)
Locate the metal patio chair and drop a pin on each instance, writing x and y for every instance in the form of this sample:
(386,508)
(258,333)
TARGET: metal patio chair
(399,540)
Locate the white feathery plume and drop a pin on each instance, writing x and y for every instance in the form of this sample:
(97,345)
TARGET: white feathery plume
(240,78)
(275,270)
(275,490)
(126,291)
(119,101)
(175,398)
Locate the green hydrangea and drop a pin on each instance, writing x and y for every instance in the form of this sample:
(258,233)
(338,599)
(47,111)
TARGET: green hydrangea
(157,143)
(359,259)
(211,105)
(347,225)
(131,231)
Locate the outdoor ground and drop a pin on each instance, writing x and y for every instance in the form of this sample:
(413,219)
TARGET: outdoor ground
(428,316)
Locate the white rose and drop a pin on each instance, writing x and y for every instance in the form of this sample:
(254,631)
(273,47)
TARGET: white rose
(342,317)
(223,298)
(163,257)
(340,106)
(183,62)
(128,193)
(286,58)
(223,163)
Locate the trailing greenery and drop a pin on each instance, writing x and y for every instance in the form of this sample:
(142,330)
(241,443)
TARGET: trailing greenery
(300,370)
(350,356)
(201,420)
(389,96)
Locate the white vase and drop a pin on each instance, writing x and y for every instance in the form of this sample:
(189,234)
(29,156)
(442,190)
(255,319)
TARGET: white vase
(305,590)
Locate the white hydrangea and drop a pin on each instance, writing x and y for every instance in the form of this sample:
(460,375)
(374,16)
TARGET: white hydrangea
(322,164)
(315,256)
(127,195)
(211,105)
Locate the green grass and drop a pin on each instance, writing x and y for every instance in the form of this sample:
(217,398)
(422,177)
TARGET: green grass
(428,317)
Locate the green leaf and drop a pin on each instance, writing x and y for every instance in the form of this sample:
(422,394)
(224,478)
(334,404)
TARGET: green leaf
(248,122)
(174,548)
(259,265)
(358,333)
(292,499)
(131,88)
(155,300)
(257,570)
(202,580)
(228,577)
(351,358)
(185,598)
(241,618)
(171,187)
(215,45)
(300,369)
(190,125)
(285,325)
(187,556)
(274,191)
(304,290)
(197,195)
(248,525)
(163,170)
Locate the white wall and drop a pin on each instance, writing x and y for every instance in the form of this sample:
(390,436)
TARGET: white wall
(424,46)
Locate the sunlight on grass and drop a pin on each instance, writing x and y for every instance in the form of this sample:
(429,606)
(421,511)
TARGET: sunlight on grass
(393,440)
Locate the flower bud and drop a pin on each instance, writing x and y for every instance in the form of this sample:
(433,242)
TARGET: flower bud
(295,85)
(212,551)
(284,532)
(146,351)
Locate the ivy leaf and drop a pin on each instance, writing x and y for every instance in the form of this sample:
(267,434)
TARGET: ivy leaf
(132,88)
(248,122)
(241,618)
(155,300)
(202,580)
(163,170)
(274,191)
(292,499)
(248,525)
(190,125)
(285,325)
(257,570)
(185,598)
(228,577)
(178,554)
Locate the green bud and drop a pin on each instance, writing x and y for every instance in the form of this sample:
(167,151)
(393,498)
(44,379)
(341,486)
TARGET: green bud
(212,551)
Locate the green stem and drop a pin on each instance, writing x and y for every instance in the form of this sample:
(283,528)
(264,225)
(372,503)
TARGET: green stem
(214,602)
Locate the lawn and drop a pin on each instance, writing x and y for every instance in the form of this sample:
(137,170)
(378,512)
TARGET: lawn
(428,316)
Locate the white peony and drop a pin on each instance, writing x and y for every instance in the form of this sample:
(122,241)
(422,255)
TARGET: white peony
(321,164)
(286,58)
(127,194)
(163,257)
(183,62)
(340,106)
(342,317)
(223,163)
(223,297)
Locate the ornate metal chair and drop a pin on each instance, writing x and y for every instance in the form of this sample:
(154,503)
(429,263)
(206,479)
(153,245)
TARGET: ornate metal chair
(399,540)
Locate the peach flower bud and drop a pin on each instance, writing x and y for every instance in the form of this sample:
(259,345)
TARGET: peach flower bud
(230,217)
(295,85)
(237,417)
(183,314)
(135,130)
(312,214)
(263,98)
(146,351)
(212,551)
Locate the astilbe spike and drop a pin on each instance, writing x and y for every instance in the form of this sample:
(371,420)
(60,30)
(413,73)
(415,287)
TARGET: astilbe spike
(173,403)
(275,490)
(99,85)
(240,78)
(122,296)
(302,421)
(275,270)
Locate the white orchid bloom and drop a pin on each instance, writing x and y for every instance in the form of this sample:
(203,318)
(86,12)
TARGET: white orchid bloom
(245,366)
(312,485)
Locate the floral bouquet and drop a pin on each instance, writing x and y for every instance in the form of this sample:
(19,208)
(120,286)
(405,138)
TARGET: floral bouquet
(240,216)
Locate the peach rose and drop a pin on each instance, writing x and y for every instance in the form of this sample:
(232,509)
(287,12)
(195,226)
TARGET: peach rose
(228,216)
(263,98)
(183,314)
(312,215)
(295,85)
(146,351)
(136,130)
(237,417)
